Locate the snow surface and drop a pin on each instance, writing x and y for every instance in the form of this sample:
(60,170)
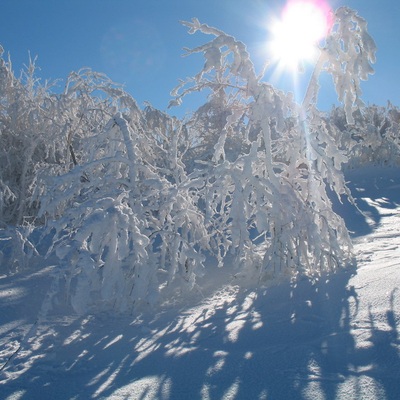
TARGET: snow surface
(333,338)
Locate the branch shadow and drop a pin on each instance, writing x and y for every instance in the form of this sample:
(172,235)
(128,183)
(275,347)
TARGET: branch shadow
(21,298)
(373,188)
(283,342)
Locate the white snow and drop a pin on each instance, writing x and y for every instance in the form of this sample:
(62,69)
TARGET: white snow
(332,338)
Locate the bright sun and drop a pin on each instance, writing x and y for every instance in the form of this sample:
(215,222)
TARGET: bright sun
(295,35)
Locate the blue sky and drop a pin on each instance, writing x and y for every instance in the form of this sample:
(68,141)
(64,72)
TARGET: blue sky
(139,43)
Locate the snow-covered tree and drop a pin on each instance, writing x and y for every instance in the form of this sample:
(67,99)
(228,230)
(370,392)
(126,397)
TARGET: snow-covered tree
(265,196)
(136,200)
(125,219)
(26,137)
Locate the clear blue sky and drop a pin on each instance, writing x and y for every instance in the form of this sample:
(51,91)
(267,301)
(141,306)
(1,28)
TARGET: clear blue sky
(139,43)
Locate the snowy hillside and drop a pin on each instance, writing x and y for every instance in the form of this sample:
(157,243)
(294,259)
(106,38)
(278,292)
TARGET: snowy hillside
(333,338)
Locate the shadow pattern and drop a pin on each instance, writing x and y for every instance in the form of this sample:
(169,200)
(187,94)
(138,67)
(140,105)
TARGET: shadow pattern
(292,341)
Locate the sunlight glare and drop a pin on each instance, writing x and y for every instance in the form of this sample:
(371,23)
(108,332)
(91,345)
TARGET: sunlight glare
(296,34)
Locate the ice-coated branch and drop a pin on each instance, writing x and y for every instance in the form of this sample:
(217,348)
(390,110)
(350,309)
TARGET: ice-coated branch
(350,51)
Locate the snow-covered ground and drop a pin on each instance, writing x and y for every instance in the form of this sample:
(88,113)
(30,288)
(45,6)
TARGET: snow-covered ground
(333,338)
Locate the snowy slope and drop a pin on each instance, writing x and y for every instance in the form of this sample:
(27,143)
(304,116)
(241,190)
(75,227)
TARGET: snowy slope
(335,338)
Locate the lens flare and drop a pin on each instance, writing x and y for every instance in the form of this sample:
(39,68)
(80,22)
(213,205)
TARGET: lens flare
(295,36)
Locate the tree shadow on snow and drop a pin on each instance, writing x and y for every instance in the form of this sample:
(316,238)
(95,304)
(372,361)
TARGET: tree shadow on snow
(373,188)
(283,342)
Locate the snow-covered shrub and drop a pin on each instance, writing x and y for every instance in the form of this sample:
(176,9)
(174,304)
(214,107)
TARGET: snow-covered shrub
(136,200)
(125,220)
(26,140)
(40,132)
(103,253)
(265,197)
(373,139)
